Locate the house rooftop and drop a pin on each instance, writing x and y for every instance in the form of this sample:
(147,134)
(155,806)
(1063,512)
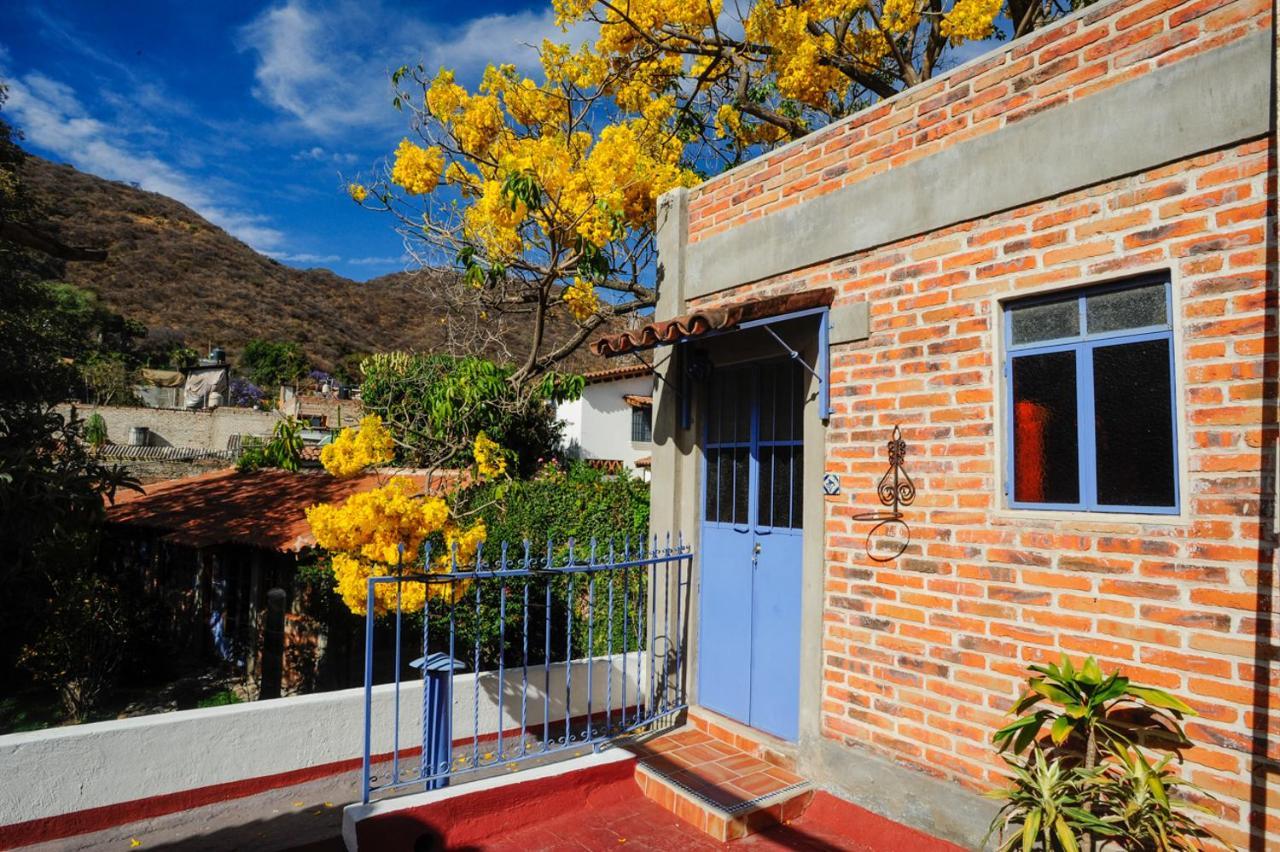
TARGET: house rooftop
(613,374)
(263,508)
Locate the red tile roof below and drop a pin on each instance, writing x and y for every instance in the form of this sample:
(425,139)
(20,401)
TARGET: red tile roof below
(613,374)
(264,508)
(719,318)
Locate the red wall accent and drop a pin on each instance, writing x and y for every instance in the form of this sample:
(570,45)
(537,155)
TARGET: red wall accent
(466,821)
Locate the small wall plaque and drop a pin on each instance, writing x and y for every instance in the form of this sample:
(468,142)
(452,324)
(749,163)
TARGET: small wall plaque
(830,484)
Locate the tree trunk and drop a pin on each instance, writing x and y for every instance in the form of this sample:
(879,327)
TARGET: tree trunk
(1090,761)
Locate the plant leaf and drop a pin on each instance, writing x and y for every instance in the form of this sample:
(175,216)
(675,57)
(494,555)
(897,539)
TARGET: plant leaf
(1065,835)
(1090,673)
(1030,829)
(1160,698)
(1062,727)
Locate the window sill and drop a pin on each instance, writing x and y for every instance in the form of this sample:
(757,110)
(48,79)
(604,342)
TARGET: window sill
(1074,516)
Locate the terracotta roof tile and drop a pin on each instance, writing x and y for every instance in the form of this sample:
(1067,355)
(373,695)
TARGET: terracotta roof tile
(613,374)
(719,318)
(263,508)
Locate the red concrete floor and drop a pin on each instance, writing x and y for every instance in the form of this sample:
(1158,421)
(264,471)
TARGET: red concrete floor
(639,824)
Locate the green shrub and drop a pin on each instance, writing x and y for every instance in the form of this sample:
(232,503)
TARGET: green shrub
(435,405)
(95,430)
(220,699)
(284,450)
(578,502)
(1085,777)
(555,506)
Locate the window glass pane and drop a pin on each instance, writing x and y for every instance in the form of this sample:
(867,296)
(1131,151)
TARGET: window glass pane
(1133,416)
(741,485)
(715,420)
(1045,448)
(780,501)
(797,492)
(769,463)
(1045,321)
(1136,307)
(711,511)
(771,398)
(740,404)
(641,424)
(795,397)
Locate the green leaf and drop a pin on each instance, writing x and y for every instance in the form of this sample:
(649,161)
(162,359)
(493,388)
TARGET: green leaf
(1061,729)
(1053,693)
(1027,736)
(1090,673)
(1030,830)
(1160,698)
(1065,836)
(1114,687)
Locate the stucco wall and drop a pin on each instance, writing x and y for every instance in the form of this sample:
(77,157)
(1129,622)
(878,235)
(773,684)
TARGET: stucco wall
(207,429)
(599,423)
(64,770)
(935,208)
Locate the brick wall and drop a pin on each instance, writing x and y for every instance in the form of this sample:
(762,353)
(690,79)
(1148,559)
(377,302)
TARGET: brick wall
(924,655)
(1110,44)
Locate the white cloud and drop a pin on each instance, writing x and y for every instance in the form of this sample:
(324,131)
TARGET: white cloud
(378,261)
(320,155)
(52,117)
(329,68)
(305,258)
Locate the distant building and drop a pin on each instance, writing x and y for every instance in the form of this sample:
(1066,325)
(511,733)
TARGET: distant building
(612,421)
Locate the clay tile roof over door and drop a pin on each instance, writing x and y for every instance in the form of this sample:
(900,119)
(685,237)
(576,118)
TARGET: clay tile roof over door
(720,318)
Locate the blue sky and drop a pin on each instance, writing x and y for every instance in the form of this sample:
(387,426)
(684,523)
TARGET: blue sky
(250,113)
(253,114)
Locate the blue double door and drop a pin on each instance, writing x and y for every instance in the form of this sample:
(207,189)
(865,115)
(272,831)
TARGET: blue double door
(751,546)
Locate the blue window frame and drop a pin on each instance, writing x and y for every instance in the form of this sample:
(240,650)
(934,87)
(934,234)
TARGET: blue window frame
(1092,415)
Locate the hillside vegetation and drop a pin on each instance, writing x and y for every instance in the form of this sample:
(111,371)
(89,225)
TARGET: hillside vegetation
(184,277)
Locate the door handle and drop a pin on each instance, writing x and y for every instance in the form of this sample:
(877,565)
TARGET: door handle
(757,549)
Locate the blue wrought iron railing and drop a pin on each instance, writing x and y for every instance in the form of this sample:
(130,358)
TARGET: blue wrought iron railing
(522,656)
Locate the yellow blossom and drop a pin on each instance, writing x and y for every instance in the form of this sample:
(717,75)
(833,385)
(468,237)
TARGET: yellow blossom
(581,299)
(356,449)
(365,534)
(970,20)
(357,192)
(490,460)
(417,169)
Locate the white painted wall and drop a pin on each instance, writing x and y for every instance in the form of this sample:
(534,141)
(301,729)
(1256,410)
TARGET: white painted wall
(598,424)
(63,770)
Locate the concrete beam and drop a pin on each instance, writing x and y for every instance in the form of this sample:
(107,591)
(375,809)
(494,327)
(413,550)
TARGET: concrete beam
(1217,98)
(850,322)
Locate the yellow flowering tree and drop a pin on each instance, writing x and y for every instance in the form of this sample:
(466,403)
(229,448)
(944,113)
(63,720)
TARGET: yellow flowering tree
(542,190)
(384,530)
(756,74)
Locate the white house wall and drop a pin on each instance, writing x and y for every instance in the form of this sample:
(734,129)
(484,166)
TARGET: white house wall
(599,423)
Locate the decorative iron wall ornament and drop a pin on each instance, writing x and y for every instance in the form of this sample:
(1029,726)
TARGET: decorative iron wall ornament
(895,490)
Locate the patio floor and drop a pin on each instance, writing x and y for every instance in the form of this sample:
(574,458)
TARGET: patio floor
(639,824)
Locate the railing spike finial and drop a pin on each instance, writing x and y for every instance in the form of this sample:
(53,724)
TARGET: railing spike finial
(502,566)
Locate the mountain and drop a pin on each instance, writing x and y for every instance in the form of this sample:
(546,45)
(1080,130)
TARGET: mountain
(187,279)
